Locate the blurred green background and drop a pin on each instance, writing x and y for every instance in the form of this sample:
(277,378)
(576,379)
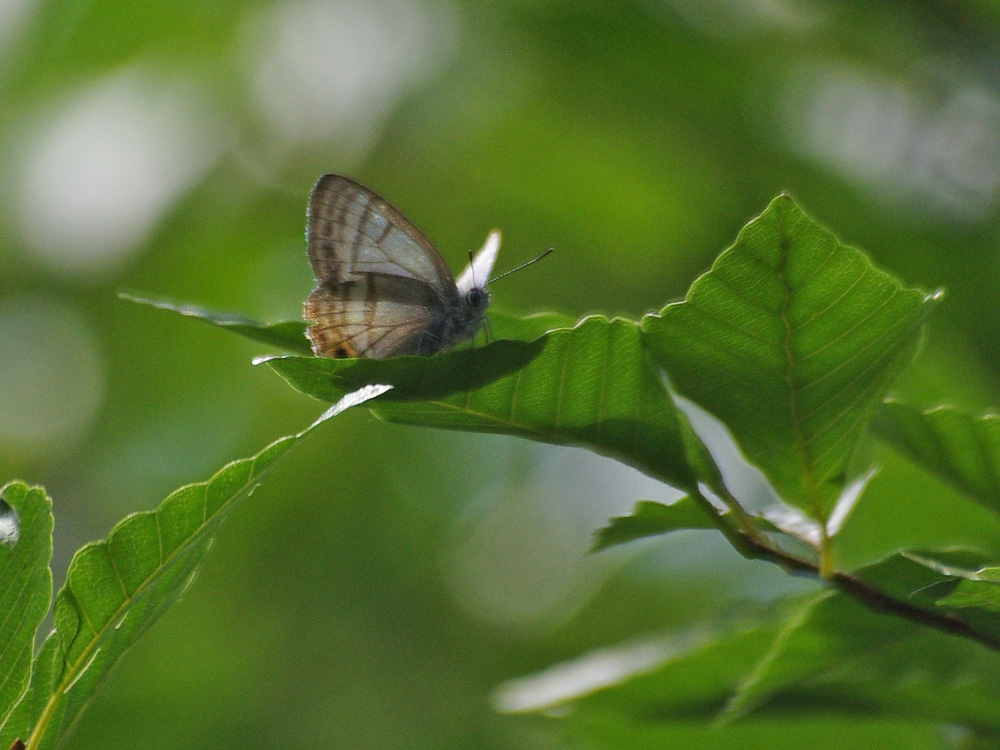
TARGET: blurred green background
(379,586)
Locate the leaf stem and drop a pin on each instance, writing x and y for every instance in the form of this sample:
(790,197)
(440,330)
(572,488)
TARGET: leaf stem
(754,546)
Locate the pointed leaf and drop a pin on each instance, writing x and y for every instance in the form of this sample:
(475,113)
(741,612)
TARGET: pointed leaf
(289,335)
(25,592)
(791,340)
(962,450)
(650,518)
(590,385)
(115,589)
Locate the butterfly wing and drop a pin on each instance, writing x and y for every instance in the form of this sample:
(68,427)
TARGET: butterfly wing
(383,290)
(380,316)
(352,231)
(477,274)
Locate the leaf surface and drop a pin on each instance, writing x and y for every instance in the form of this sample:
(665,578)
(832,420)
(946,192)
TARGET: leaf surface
(25,592)
(289,335)
(791,339)
(826,655)
(590,385)
(962,450)
(117,588)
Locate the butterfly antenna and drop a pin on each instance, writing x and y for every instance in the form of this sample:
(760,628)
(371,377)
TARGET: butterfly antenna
(473,267)
(523,265)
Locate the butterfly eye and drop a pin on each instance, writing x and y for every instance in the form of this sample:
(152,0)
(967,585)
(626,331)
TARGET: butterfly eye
(476,297)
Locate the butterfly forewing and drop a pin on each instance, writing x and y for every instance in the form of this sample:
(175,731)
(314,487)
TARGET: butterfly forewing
(352,231)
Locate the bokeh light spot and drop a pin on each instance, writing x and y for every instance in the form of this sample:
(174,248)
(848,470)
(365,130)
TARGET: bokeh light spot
(107,165)
(333,69)
(51,373)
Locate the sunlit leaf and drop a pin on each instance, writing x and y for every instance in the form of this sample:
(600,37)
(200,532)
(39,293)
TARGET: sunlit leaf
(25,592)
(115,589)
(590,385)
(961,449)
(791,340)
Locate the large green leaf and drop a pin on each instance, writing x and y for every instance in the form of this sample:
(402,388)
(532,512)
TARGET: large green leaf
(115,589)
(791,339)
(826,655)
(590,385)
(961,449)
(25,591)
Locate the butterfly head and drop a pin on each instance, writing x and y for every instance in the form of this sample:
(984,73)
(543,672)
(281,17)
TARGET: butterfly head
(472,281)
(477,298)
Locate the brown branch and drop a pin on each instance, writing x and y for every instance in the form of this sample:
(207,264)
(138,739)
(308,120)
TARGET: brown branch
(755,548)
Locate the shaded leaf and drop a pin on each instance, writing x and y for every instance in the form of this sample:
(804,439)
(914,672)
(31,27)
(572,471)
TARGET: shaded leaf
(590,385)
(651,518)
(115,589)
(25,593)
(825,655)
(289,335)
(961,584)
(791,339)
(962,450)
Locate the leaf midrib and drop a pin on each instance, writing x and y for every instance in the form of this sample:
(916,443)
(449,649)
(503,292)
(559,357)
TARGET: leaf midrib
(74,672)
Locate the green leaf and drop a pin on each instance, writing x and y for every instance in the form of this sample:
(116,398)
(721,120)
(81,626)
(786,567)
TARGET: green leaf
(791,339)
(650,518)
(825,655)
(960,584)
(25,594)
(962,450)
(115,589)
(289,335)
(590,385)
(837,656)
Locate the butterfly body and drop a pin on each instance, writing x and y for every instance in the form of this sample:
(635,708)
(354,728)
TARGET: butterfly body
(382,288)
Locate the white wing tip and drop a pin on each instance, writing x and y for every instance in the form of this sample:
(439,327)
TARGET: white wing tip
(477,273)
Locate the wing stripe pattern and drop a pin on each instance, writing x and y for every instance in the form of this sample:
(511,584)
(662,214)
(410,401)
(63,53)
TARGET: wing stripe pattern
(383,290)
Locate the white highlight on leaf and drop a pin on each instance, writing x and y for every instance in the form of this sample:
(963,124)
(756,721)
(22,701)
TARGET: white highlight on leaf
(83,670)
(846,503)
(10,529)
(579,677)
(354,398)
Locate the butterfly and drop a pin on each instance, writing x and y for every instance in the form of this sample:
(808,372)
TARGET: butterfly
(382,288)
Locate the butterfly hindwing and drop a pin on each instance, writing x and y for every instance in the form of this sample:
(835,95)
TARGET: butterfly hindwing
(380,316)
